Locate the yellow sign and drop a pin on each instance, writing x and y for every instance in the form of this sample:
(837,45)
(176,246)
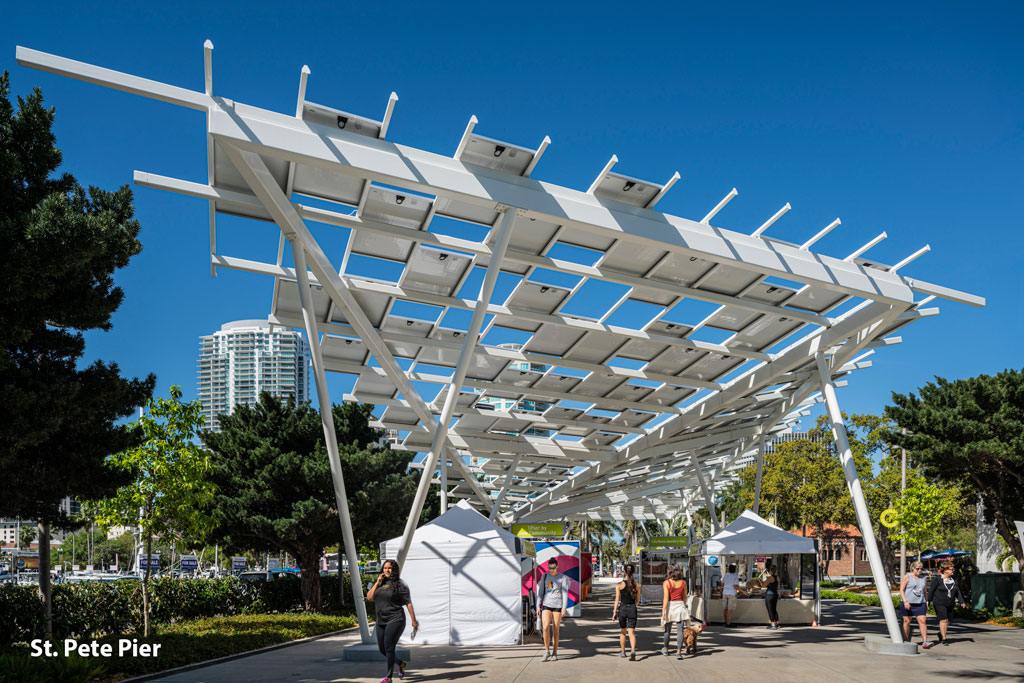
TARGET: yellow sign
(673,541)
(538,530)
(890,519)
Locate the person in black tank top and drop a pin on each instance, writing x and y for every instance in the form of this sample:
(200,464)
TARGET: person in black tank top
(626,594)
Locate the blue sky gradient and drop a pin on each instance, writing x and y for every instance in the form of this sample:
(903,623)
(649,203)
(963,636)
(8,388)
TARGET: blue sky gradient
(902,118)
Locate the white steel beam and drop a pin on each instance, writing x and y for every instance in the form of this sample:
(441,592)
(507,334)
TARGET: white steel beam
(857,493)
(331,438)
(472,339)
(505,486)
(757,480)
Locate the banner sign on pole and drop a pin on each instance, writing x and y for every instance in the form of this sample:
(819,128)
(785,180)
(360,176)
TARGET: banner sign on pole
(189,563)
(238,564)
(153,562)
(674,541)
(273,564)
(556,529)
(23,560)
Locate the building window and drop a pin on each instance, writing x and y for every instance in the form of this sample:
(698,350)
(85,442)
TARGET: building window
(863,555)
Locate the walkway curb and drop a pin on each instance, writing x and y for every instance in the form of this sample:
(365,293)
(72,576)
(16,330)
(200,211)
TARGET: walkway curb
(228,658)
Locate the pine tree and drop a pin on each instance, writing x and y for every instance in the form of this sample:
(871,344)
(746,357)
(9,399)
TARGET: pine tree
(59,247)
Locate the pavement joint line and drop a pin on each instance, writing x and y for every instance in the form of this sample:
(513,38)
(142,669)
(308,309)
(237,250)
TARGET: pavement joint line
(228,658)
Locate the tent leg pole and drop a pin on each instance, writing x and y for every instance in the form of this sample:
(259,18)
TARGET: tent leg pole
(857,493)
(331,437)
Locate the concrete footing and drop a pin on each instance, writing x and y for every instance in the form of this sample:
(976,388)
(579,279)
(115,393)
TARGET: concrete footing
(366,652)
(884,646)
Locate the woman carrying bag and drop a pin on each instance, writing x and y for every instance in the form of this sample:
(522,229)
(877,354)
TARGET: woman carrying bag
(674,610)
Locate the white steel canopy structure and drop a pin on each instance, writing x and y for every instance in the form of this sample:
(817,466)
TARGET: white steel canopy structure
(596,419)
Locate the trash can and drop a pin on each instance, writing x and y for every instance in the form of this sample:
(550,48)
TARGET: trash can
(994,590)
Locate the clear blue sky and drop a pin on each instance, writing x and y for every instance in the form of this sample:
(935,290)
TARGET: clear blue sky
(908,119)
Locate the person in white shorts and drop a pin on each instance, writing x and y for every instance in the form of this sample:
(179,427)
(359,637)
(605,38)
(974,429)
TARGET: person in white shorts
(729,582)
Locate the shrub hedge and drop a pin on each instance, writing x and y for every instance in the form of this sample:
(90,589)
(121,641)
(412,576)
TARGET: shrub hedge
(90,610)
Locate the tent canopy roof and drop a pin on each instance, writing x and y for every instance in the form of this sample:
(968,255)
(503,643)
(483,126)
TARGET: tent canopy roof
(751,534)
(458,533)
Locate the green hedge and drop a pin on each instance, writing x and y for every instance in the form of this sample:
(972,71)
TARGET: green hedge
(89,610)
(872,600)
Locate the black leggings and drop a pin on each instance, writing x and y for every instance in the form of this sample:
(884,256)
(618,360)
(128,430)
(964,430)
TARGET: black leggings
(387,638)
(772,603)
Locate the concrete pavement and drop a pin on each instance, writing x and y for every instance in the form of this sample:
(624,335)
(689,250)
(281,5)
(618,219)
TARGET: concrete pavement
(589,652)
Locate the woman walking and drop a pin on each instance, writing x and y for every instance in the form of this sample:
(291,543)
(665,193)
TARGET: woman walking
(552,604)
(674,610)
(912,602)
(389,595)
(626,593)
(944,595)
(771,597)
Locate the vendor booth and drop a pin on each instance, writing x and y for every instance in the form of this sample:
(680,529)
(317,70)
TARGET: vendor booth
(465,577)
(655,564)
(753,545)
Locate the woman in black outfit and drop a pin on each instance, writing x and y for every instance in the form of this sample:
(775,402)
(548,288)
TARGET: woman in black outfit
(389,595)
(625,611)
(944,595)
(771,598)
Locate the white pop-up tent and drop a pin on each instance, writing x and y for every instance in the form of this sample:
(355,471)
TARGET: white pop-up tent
(464,575)
(751,534)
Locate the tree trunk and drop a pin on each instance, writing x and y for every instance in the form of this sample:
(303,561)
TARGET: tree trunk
(1011,540)
(45,592)
(145,585)
(309,564)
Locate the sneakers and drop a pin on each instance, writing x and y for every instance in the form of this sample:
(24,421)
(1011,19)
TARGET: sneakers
(945,642)
(401,668)
(622,654)
(664,651)
(547,656)
(679,655)
(554,657)
(632,655)
(926,644)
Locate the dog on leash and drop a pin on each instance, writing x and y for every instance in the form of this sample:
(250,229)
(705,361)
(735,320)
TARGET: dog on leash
(690,638)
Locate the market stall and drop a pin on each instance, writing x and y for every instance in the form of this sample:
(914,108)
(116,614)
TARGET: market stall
(465,576)
(753,544)
(656,562)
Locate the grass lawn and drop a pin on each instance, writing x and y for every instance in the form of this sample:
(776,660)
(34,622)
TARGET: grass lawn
(197,641)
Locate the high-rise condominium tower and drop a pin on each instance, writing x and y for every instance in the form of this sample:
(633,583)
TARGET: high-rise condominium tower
(248,357)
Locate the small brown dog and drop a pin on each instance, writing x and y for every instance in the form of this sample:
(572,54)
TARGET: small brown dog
(690,638)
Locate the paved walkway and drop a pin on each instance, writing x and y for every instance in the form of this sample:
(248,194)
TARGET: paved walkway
(589,652)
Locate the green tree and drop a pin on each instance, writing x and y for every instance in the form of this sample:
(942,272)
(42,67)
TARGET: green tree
(923,510)
(59,247)
(275,491)
(169,489)
(969,433)
(28,534)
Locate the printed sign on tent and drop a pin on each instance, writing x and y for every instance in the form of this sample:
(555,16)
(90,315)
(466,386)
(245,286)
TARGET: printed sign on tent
(673,541)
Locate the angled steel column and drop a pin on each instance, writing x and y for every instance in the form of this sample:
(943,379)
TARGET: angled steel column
(465,357)
(505,486)
(856,492)
(331,436)
(757,481)
(708,500)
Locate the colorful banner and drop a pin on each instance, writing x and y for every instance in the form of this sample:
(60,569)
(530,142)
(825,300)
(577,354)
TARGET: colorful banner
(538,530)
(24,561)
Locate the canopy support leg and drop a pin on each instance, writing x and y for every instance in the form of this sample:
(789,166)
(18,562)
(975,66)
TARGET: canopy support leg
(857,493)
(757,480)
(708,499)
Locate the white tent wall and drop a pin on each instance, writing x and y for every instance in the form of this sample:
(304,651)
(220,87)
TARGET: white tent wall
(465,579)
